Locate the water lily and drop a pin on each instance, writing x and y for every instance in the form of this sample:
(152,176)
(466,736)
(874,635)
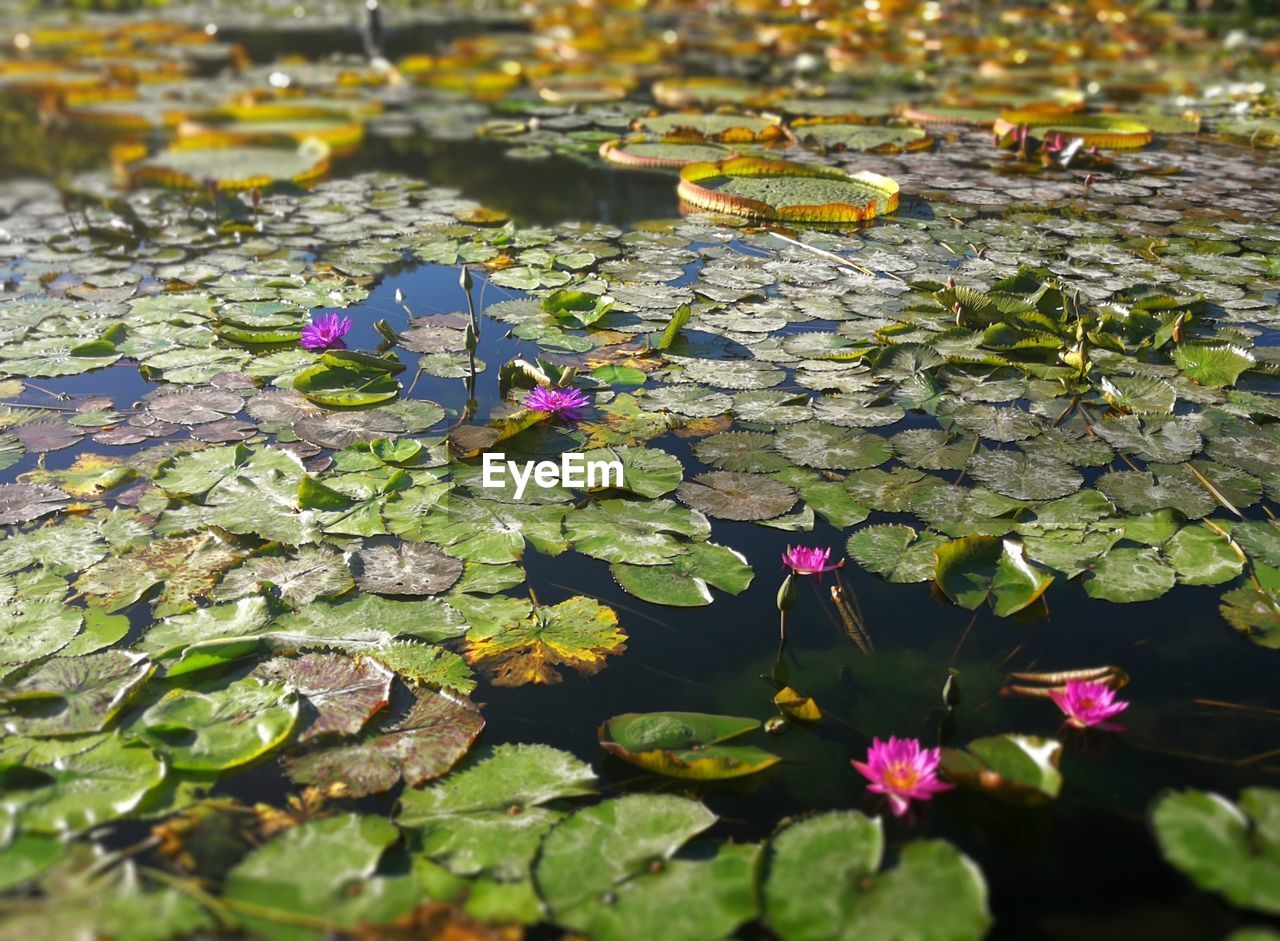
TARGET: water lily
(566,404)
(325,332)
(902,771)
(1088,704)
(808,560)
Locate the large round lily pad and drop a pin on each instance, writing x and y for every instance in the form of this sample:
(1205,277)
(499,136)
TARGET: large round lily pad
(781,190)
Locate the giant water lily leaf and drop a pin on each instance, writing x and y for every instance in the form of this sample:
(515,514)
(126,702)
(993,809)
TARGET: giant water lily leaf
(579,633)
(339,694)
(685,581)
(405,569)
(326,866)
(608,870)
(985,568)
(1018,768)
(437,731)
(836,857)
(779,189)
(896,552)
(685,744)
(232,168)
(634,532)
(219,729)
(73,695)
(71,785)
(728,495)
(1230,849)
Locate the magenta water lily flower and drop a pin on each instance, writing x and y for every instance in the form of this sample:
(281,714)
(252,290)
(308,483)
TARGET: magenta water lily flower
(902,771)
(325,332)
(565,404)
(1089,704)
(808,560)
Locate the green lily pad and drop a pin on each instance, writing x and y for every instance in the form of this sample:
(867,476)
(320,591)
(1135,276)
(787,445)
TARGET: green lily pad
(975,569)
(837,856)
(1018,768)
(220,729)
(685,744)
(1230,849)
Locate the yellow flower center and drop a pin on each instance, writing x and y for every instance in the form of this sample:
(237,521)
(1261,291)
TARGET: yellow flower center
(901,776)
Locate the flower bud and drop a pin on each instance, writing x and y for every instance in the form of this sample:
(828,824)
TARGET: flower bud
(787,593)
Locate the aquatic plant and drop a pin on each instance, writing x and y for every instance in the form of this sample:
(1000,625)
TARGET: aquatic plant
(809,560)
(325,332)
(902,771)
(1088,704)
(561,404)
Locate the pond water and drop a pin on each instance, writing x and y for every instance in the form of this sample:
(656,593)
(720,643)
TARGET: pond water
(274,660)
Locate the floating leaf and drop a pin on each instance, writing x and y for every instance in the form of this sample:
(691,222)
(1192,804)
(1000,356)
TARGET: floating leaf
(339,694)
(578,633)
(72,785)
(737,496)
(981,568)
(73,695)
(220,729)
(1230,849)
(685,744)
(609,871)
(778,189)
(405,569)
(895,552)
(1018,768)
(836,857)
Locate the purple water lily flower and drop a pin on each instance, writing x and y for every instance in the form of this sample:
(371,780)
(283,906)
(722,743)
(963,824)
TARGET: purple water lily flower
(563,404)
(902,771)
(325,332)
(1088,704)
(809,560)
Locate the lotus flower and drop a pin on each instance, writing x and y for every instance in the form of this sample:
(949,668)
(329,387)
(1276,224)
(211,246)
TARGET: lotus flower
(902,771)
(806,560)
(566,404)
(1088,704)
(325,332)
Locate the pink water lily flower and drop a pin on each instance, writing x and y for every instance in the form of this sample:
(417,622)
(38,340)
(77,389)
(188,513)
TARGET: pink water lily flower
(566,404)
(808,560)
(1089,704)
(902,771)
(325,332)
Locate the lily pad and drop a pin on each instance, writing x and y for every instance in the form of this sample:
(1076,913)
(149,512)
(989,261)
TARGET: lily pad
(685,744)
